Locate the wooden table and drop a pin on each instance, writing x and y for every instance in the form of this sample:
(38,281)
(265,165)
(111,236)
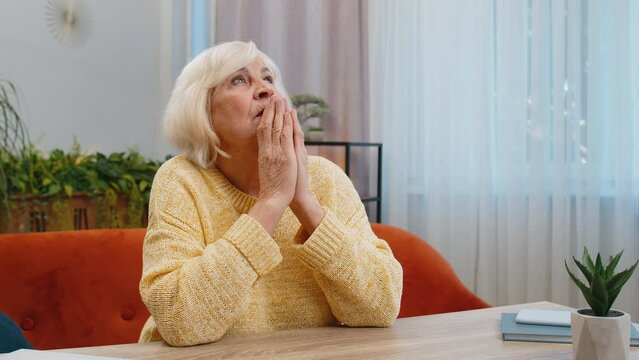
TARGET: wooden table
(463,335)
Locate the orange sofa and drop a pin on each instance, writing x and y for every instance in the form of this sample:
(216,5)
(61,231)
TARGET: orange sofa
(73,288)
(430,283)
(80,288)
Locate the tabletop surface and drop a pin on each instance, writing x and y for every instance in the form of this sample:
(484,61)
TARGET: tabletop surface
(471,334)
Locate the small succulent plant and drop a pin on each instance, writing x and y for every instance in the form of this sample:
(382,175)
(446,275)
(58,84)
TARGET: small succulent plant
(603,283)
(309,106)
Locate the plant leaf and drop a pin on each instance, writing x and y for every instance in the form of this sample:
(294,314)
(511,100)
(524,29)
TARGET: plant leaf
(124,186)
(587,260)
(68,189)
(618,280)
(114,186)
(585,290)
(54,189)
(597,306)
(600,293)
(584,270)
(143,185)
(612,295)
(610,269)
(599,269)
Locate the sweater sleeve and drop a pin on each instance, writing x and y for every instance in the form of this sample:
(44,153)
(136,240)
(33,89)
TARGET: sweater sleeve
(357,272)
(194,291)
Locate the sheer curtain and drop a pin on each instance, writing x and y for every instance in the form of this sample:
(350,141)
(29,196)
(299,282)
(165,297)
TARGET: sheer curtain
(511,135)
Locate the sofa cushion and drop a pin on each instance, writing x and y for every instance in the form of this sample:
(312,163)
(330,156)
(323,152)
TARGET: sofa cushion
(430,283)
(73,288)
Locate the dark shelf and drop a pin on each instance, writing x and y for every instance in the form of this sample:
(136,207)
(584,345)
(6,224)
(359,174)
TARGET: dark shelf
(347,147)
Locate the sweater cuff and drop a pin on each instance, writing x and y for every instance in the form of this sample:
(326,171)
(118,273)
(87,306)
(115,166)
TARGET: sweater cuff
(259,248)
(327,239)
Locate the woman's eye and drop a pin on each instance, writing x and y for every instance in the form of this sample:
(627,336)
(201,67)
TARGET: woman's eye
(238,80)
(269,79)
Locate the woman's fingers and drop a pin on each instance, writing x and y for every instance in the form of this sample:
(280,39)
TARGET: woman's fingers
(264,128)
(287,131)
(298,133)
(278,121)
(278,166)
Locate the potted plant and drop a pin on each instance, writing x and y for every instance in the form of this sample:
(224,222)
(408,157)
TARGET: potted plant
(599,332)
(309,106)
(66,190)
(75,190)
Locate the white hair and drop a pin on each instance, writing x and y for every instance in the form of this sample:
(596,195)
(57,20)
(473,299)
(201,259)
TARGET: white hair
(187,119)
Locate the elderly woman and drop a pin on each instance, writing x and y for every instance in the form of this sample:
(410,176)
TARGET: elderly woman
(246,232)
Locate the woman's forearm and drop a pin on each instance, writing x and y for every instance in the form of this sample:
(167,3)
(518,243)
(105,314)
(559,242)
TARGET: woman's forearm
(360,277)
(267,213)
(310,213)
(194,299)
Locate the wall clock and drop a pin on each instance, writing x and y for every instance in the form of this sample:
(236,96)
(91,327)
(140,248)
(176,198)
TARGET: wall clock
(69,21)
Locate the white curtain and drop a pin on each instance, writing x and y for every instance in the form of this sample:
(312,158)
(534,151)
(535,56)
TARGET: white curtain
(511,135)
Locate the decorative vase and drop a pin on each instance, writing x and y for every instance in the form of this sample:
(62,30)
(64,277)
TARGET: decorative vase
(598,337)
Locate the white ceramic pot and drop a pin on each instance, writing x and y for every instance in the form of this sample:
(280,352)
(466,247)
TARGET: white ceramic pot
(595,337)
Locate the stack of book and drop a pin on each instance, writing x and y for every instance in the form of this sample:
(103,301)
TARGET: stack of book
(550,326)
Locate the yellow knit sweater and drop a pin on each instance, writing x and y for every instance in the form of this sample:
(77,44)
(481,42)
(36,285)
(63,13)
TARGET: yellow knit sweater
(210,269)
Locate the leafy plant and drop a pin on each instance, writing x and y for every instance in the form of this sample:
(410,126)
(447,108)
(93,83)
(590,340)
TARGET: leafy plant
(604,284)
(33,174)
(13,134)
(309,106)
(28,176)
(14,138)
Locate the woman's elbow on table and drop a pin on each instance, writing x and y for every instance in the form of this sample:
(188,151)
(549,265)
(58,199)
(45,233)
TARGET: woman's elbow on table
(375,313)
(386,314)
(179,329)
(174,338)
(386,309)
(178,326)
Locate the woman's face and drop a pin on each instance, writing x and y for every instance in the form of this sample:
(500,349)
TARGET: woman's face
(237,106)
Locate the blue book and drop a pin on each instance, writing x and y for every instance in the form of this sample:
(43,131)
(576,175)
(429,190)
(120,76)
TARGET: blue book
(513,331)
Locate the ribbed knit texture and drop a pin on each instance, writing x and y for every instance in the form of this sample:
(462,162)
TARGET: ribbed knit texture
(210,269)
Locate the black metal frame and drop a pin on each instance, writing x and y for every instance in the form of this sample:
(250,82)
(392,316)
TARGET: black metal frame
(348,145)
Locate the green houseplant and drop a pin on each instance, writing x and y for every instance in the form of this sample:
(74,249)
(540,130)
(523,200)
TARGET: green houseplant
(114,188)
(309,106)
(13,133)
(66,190)
(599,332)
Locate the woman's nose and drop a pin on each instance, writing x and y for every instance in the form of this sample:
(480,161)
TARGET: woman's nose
(263,92)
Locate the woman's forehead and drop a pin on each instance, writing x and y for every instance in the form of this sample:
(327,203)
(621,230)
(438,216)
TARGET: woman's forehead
(256,65)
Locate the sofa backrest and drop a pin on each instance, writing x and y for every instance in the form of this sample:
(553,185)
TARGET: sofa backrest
(430,283)
(73,288)
(80,288)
